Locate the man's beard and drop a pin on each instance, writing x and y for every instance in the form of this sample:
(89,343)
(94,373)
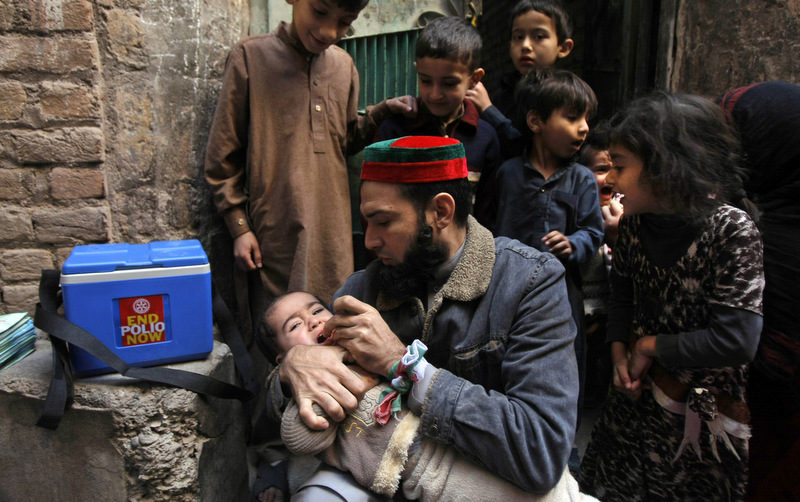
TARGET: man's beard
(411,277)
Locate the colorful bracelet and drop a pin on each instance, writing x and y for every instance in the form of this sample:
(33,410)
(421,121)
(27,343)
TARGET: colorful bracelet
(406,371)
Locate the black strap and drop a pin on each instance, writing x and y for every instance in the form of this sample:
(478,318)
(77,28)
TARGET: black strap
(62,332)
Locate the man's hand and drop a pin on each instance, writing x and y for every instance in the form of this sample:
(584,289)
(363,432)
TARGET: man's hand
(246,252)
(558,244)
(317,374)
(479,96)
(360,329)
(406,105)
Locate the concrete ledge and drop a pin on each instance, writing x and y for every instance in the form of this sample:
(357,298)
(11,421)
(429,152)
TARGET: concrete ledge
(123,439)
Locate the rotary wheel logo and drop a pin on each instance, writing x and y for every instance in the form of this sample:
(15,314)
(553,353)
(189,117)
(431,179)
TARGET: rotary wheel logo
(141,306)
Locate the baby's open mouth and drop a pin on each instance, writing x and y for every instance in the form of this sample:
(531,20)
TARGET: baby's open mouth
(606,191)
(324,339)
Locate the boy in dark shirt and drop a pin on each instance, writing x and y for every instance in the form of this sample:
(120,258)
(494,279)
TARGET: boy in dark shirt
(541,34)
(544,198)
(447,57)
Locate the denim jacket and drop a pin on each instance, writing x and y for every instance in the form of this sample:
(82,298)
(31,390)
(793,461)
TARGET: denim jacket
(500,332)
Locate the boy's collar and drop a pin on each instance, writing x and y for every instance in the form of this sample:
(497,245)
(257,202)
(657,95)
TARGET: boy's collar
(284,33)
(470,115)
(560,170)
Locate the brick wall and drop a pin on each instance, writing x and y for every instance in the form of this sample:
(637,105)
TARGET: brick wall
(104,113)
(52,145)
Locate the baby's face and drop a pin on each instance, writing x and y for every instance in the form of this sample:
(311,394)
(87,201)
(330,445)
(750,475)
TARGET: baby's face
(298,319)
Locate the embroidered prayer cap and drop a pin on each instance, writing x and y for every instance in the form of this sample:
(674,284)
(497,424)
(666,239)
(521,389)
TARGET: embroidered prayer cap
(414,159)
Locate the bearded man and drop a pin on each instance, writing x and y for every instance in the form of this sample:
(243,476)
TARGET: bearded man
(501,381)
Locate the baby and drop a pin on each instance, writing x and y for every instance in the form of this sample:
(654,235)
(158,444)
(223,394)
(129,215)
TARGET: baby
(380,457)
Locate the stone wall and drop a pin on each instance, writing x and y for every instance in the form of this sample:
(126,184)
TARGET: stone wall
(122,439)
(105,107)
(721,44)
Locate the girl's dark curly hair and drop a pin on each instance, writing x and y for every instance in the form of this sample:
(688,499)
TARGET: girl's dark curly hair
(691,157)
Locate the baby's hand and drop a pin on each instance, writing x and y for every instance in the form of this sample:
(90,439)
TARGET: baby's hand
(558,244)
(479,96)
(406,105)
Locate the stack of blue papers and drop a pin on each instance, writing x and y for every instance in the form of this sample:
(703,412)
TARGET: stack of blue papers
(17,338)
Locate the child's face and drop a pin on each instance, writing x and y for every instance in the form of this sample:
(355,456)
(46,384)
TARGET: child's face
(625,178)
(562,134)
(600,164)
(298,319)
(319,23)
(534,42)
(443,85)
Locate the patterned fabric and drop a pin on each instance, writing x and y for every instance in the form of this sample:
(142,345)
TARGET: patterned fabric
(634,442)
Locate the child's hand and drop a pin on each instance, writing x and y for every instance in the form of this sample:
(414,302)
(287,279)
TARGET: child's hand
(406,105)
(246,252)
(611,215)
(479,96)
(641,357)
(622,380)
(558,244)
(271,494)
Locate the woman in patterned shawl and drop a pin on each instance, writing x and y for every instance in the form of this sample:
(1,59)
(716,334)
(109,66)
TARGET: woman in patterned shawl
(685,313)
(767,117)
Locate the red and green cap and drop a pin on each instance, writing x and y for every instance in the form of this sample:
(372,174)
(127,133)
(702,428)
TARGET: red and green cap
(414,159)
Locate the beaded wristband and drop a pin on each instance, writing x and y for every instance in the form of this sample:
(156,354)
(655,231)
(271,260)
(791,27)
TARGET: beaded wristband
(406,371)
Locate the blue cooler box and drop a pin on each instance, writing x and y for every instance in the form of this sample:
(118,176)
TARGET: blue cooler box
(149,303)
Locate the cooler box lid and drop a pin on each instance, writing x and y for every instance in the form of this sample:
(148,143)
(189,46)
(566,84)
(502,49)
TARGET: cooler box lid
(94,258)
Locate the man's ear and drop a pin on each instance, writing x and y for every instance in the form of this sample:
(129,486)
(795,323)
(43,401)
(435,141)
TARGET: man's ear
(533,121)
(565,48)
(477,75)
(443,207)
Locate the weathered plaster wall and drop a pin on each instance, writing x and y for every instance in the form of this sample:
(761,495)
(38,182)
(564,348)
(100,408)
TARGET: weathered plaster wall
(104,113)
(722,44)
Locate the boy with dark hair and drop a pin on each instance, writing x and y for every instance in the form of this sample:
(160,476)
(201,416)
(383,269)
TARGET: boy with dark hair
(286,118)
(544,198)
(447,56)
(565,218)
(541,34)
